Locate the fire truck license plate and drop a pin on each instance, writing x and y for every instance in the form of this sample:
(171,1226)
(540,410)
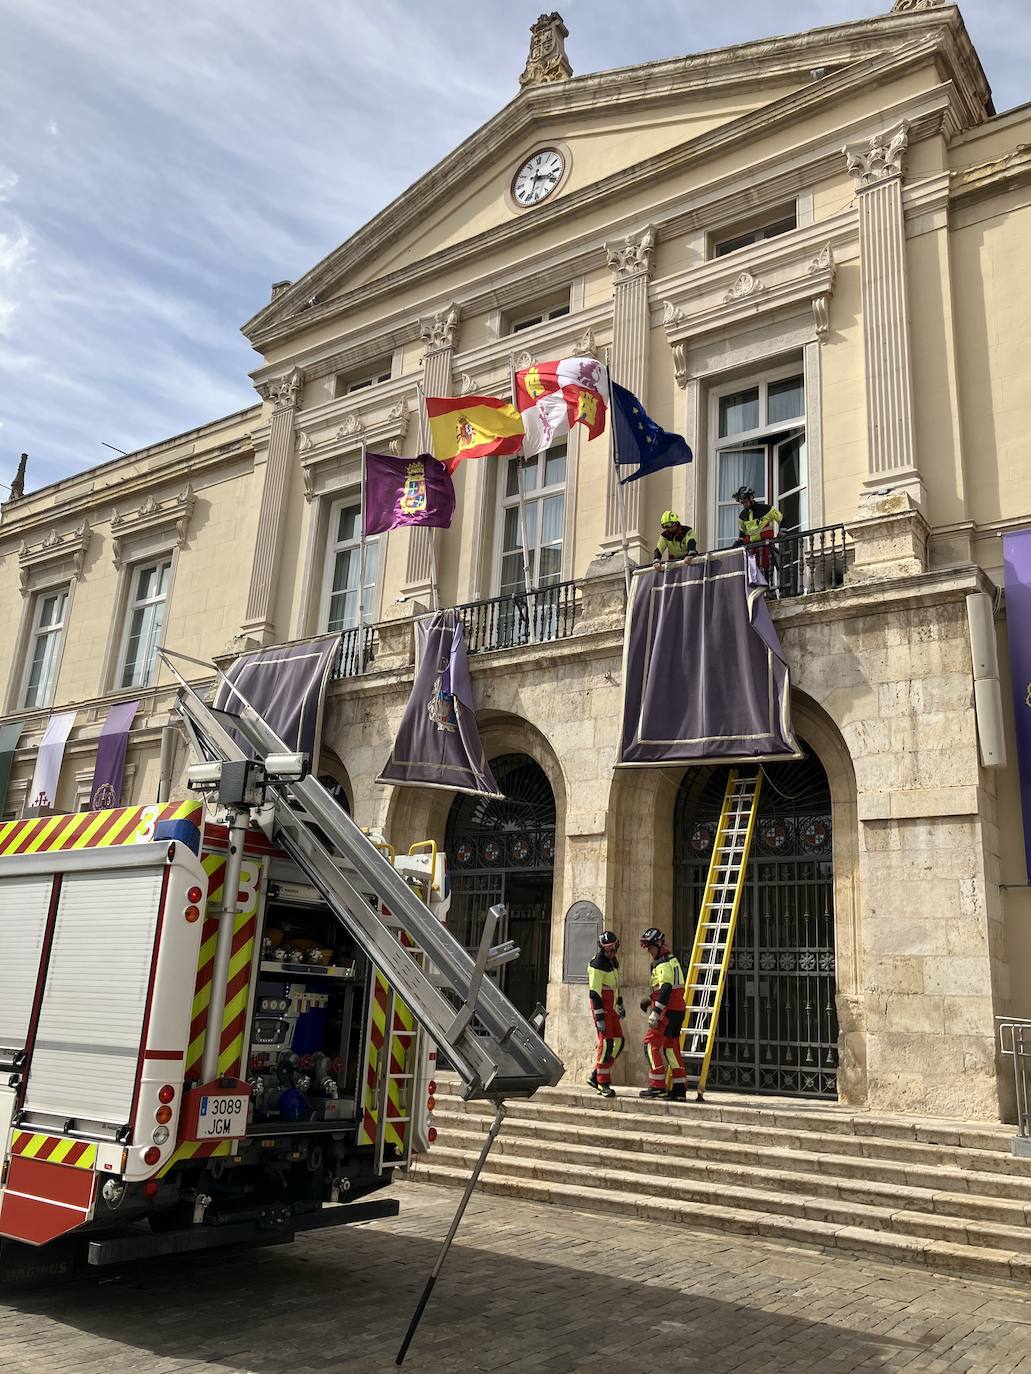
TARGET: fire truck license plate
(222,1117)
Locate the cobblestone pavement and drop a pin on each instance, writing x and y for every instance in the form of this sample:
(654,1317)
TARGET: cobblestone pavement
(525,1288)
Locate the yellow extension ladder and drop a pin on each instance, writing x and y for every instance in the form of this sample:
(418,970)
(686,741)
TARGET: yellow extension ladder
(706,973)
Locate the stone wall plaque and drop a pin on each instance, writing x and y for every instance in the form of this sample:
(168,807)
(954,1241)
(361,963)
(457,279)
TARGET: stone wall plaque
(582,927)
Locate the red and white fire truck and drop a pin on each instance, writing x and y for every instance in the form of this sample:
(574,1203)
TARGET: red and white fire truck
(218,1015)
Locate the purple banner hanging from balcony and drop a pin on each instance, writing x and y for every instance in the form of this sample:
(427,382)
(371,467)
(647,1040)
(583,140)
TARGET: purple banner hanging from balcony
(106,788)
(286,685)
(1017,557)
(704,676)
(438,743)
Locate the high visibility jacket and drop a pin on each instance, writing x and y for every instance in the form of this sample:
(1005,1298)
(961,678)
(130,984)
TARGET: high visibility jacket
(758,522)
(668,983)
(603,983)
(681,544)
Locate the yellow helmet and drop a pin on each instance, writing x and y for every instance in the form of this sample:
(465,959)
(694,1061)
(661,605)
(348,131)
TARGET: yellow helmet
(670,517)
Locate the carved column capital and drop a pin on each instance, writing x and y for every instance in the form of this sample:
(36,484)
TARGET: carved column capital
(284,392)
(439,330)
(633,257)
(877,159)
(547,60)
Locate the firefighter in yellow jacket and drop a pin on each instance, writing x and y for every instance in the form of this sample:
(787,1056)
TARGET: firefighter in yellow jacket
(665,1007)
(757,524)
(607,1009)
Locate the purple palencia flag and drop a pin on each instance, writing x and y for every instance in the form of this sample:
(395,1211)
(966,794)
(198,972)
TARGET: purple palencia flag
(704,676)
(43,791)
(106,789)
(438,742)
(407,491)
(286,685)
(1017,558)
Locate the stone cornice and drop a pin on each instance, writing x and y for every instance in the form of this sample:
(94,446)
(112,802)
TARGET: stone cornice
(172,516)
(330,433)
(55,552)
(277,323)
(487,365)
(993,177)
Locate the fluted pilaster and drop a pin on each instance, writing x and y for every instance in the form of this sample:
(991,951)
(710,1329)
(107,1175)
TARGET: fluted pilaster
(631,269)
(438,333)
(285,395)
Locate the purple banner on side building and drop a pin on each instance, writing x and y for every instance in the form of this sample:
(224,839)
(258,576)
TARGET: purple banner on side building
(1017,556)
(286,685)
(704,676)
(438,743)
(106,789)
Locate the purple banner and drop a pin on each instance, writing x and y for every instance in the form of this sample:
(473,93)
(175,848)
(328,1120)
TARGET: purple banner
(407,491)
(43,791)
(286,686)
(438,743)
(1017,557)
(704,676)
(106,789)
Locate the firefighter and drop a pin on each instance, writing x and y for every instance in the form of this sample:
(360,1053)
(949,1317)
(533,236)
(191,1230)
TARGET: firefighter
(676,540)
(607,1009)
(665,1008)
(756,523)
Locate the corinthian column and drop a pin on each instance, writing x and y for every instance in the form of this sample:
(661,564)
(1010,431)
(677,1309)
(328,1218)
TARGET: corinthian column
(877,171)
(630,262)
(438,334)
(285,394)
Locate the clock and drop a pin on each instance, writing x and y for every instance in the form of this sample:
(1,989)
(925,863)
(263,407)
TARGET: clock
(538,177)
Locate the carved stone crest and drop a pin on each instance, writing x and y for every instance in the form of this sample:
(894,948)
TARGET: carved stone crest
(746,285)
(672,314)
(547,60)
(633,257)
(879,158)
(912,6)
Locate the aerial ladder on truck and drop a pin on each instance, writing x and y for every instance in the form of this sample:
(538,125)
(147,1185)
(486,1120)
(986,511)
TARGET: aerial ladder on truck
(250,772)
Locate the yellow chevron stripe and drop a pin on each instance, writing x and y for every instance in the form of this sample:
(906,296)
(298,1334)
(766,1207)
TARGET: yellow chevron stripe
(41,838)
(130,820)
(87,1159)
(34,1146)
(189,1148)
(63,1149)
(229,1054)
(189,811)
(83,842)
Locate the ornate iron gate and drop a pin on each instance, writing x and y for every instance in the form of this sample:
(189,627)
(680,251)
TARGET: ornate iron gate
(778,1029)
(504,851)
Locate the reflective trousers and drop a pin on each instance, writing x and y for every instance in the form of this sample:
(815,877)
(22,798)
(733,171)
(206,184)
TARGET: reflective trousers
(662,1050)
(610,1047)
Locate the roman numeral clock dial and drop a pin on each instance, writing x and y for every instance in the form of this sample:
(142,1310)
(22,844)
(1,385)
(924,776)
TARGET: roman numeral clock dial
(537,177)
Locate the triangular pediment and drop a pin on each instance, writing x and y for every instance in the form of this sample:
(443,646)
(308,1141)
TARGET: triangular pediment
(611,128)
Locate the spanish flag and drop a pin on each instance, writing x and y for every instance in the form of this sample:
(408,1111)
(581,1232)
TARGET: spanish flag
(472,427)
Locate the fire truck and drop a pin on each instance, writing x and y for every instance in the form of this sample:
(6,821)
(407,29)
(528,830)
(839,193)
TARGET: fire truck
(219,1015)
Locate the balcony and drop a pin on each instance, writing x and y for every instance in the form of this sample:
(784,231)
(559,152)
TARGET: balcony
(795,565)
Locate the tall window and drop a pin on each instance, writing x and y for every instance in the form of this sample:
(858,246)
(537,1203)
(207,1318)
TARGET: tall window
(144,623)
(48,619)
(343,559)
(544,503)
(761,444)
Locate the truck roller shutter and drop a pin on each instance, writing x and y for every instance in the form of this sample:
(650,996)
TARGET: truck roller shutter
(94,1005)
(24,908)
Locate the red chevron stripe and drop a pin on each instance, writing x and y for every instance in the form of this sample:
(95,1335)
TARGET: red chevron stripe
(107,825)
(27,834)
(76,1152)
(67,840)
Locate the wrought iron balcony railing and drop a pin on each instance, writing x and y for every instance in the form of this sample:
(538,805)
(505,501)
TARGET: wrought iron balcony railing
(804,561)
(348,661)
(506,622)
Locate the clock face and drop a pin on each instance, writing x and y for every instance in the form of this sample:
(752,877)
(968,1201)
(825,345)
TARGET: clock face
(537,177)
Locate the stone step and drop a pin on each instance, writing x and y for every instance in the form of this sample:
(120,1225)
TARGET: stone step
(704,1194)
(703,1153)
(790,1173)
(700,1123)
(939,1255)
(775,1113)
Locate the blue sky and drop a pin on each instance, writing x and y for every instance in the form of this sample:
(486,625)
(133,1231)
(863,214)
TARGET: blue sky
(162,163)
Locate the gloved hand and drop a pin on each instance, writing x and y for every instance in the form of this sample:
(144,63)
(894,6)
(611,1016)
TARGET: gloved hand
(620,1009)
(645,1003)
(657,564)
(653,1019)
(599,1023)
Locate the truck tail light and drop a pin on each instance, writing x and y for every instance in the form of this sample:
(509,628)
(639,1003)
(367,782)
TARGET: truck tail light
(194,894)
(166,1093)
(192,913)
(163,1116)
(151,1155)
(150,1187)
(431,1134)
(431,1103)
(431,1088)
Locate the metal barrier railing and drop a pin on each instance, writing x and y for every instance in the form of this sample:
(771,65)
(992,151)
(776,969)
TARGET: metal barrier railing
(348,661)
(1015,1043)
(804,561)
(505,622)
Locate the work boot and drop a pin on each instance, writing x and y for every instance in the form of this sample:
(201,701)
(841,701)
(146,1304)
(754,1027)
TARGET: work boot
(678,1093)
(604,1090)
(593,1080)
(651,1092)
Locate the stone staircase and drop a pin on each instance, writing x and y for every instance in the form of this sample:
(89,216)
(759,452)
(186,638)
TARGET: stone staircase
(945,1195)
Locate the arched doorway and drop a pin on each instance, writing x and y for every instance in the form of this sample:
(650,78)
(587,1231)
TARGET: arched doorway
(778,1028)
(504,851)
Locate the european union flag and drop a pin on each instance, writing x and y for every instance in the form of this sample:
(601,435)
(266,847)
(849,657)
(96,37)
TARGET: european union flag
(638,439)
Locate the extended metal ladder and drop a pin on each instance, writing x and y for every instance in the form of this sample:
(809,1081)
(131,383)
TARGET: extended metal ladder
(706,973)
(495,1051)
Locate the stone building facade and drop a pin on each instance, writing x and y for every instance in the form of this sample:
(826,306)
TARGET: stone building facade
(805,254)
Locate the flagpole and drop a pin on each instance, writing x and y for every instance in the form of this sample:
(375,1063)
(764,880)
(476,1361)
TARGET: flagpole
(430,533)
(620,493)
(528,579)
(361,570)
